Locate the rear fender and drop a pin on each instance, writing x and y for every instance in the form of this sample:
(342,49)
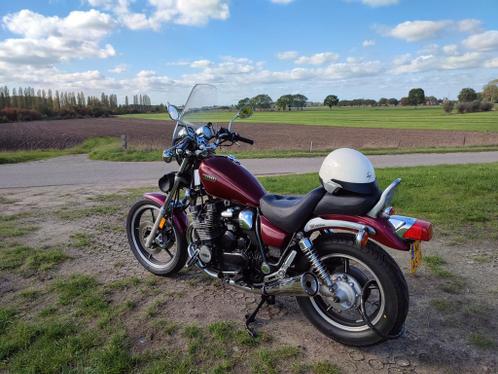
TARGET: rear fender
(380,230)
(180,219)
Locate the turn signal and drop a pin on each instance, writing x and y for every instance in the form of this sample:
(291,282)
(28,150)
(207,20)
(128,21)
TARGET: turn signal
(420,230)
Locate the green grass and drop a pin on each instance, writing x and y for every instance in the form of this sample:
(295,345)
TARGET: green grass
(30,260)
(432,118)
(482,341)
(109,149)
(460,200)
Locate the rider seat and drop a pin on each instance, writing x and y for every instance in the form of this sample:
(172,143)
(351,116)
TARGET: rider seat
(290,213)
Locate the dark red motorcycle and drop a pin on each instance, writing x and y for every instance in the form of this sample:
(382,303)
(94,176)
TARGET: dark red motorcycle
(327,248)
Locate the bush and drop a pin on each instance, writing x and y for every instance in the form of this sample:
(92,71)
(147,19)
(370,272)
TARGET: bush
(461,108)
(17,114)
(448,106)
(486,106)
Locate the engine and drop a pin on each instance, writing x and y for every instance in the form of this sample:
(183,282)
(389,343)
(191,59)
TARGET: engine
(222,238)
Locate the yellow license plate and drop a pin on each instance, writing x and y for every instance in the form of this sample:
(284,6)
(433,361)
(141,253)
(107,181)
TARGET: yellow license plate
(415,256)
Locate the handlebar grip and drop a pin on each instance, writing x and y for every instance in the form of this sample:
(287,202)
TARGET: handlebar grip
(245,140)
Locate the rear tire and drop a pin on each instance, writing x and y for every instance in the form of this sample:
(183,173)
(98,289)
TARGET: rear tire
(136,240)
(390,316)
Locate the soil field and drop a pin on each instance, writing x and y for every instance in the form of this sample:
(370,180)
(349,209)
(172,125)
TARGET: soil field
(157,134)
(191,323)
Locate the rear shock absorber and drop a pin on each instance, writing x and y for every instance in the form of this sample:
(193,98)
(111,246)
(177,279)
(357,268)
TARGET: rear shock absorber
(309,251)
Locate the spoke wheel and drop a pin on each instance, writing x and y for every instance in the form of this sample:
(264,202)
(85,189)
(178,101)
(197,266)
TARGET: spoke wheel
(350,275)
(386,298)
(167,253)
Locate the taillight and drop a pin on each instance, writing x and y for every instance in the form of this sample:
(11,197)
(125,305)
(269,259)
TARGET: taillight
(420,230)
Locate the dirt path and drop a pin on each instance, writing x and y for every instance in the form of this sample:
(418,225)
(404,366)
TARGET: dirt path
(438,326)
(157,134)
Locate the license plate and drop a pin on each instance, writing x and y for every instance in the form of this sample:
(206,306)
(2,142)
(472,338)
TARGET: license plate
(415,256)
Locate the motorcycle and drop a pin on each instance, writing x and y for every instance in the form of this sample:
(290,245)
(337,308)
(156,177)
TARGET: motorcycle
(327,248)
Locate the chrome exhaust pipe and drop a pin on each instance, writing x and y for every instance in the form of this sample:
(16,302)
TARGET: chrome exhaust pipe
(300,285)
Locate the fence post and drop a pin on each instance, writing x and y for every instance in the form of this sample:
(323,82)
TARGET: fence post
(311,146)
(124,141)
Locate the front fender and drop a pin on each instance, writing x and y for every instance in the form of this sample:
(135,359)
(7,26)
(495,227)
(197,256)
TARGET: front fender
(384,232)
(180,219)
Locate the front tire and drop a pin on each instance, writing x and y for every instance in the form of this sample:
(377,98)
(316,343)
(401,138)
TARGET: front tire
(344,323)
(168,253)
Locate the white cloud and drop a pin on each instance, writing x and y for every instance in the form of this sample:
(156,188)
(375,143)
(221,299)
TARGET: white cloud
(200,63)
(486,41)
(469,25)
(432,62)
(50,40)
(287,55)
(281,1)
(492,64)
(451,49)
(182,12)
(119,69)
(317,58)
(413,31)
(368,43)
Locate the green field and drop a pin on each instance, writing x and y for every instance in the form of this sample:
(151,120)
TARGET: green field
(433,118)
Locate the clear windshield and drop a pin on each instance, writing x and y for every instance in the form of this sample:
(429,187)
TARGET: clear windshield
(202,99)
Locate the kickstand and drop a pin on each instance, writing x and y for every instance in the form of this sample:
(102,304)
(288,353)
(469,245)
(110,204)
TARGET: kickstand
(250,318)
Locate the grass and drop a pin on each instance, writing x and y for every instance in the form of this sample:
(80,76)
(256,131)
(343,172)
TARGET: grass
(460,200)
(431,118)
(482,341)
(27,259)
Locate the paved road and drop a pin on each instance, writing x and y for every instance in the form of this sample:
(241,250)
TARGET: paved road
(78,169)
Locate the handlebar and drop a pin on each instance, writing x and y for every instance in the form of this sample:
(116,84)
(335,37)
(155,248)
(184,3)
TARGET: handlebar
(193,145)
(243,140)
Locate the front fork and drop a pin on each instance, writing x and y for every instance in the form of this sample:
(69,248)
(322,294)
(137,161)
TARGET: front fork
(167,204)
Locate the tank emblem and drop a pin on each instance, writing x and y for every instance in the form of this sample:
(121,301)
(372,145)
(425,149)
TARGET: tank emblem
(209,178)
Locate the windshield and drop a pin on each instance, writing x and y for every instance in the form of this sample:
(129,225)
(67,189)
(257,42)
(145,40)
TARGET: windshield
(202,99)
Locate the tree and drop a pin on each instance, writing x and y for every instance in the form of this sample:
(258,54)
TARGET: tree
(467,95)
(404,101)
(383,101)
(330,101)
(262,101)
(243,102)
(393,101)
(299,101)
(490,92)
(284,102)
(416,96)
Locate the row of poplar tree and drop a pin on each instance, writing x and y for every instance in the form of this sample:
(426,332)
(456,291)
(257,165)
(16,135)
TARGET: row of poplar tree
(26,102)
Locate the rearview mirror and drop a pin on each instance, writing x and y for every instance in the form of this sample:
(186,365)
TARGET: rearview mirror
(173,112)
(245,112)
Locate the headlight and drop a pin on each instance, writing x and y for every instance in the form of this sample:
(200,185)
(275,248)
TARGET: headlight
(168,155)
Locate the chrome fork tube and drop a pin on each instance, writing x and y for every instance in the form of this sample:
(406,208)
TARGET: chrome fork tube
(164,209)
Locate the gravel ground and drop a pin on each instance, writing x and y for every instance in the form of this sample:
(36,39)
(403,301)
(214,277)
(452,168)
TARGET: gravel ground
(436,339)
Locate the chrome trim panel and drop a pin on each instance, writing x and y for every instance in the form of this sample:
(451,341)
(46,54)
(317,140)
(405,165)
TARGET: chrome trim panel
(246,219)
(401,224)
(318,223)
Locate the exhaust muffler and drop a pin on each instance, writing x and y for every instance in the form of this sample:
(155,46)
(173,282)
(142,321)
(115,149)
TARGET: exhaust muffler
(300,285)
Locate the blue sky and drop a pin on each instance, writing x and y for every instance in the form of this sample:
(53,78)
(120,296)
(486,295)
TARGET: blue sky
(351,48)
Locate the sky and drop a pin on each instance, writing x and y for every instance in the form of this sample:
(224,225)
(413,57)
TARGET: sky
(350,48)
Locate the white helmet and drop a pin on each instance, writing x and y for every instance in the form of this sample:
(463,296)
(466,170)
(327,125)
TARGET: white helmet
(349,170)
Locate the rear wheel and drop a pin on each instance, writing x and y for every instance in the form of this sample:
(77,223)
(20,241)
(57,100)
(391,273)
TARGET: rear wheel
(168,252)
(370,270)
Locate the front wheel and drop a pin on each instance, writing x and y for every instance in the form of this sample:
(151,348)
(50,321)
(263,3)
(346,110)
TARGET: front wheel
(369,273)
(168,252)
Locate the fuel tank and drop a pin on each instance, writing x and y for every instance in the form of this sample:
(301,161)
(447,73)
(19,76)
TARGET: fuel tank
(227,179)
